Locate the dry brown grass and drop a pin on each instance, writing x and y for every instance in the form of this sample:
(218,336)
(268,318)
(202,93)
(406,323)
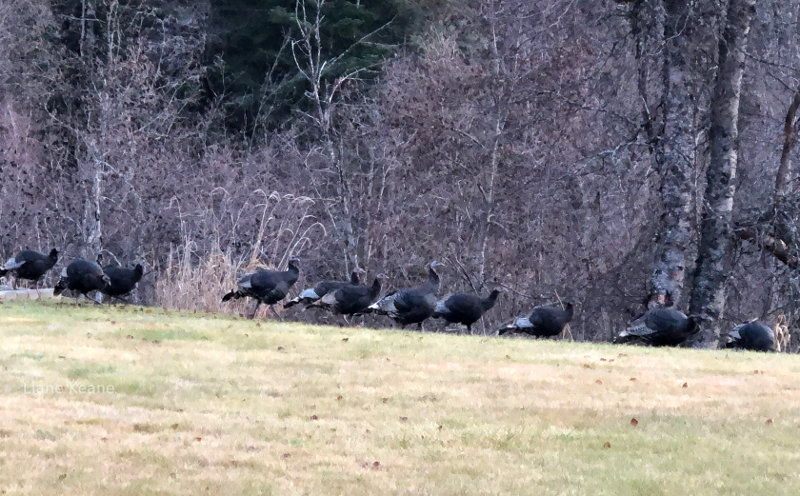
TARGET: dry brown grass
(194,278)
(206,404)
(193,283)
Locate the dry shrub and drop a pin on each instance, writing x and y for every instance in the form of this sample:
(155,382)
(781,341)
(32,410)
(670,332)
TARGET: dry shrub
(196,274)
(191,282)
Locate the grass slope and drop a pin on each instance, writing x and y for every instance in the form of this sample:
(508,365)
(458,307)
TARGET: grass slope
(205,404)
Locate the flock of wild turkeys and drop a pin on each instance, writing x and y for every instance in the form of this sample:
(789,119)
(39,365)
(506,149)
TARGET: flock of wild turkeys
(663,326)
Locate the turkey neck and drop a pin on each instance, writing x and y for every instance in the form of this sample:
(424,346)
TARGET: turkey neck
(488,302)
(433,279)
(375,289)
(294,272)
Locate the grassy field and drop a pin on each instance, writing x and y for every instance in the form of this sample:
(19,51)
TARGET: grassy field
(112,401)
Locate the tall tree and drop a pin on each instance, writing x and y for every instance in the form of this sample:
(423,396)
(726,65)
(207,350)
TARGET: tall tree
(713,265)
(689,28)
(258,75)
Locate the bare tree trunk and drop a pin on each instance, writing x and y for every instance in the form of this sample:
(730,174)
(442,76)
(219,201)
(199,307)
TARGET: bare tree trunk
(782,183)
(494,159)
(708,290)
(687,43)
(675,155)
(647,27)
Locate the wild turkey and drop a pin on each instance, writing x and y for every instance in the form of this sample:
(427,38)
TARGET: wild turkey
(30,265)
(351,298)
(542,322)
(122,281)
(410,306)
(310,295)
(752,336)
(266,286)
(82,277)
(663,326)
(464,308)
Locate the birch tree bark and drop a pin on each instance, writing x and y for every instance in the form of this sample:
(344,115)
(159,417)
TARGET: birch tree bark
(708,290)
(686,39)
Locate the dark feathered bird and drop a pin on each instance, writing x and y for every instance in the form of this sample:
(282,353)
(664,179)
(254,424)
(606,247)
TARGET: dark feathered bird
(542,322)
(122,281)
(752,336)
(266,286)
(464,308)
(30,265)
(82,277)
(310,295)
(352,298)
(663,326)
(411,306)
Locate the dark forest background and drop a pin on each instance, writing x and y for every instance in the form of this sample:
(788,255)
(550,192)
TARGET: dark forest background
(543,146)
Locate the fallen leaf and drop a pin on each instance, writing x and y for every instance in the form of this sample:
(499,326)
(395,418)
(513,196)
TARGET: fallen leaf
(174,426)
(280,348)
(632,379)
(403,419)
(606,444)
(376,464)
(384,399)
(440,427)
(129,336)
(113,322)
(769,422)
(603,360)
(198,439)
(598,381)
(508,356)
(173,475)
(345,339)
(286,455)
(634,422)
(258,324)
(62,477)
(685,384)
(339,398)
(314,417)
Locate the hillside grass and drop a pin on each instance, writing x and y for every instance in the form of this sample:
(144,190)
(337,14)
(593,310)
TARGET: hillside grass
(209,404)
